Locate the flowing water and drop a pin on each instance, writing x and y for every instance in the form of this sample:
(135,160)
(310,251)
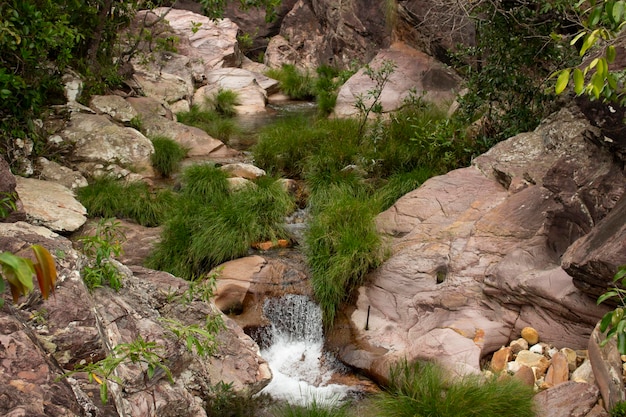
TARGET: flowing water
(302,371)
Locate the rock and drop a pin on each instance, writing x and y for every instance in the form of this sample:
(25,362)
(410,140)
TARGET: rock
(584,373)
(530,335)
(593,259)
(607,369)
(52,171)
(526,375)
(7,189)
(155,122)
(50,204)
(243,170)
(537,348)
(558,372)
(518,345)
(500,359)
(98,140)
(415,74)
(251,96)
(114,106)
(234,281)
(238,183)
(572,358)
(533,360)
(321,33)
(164,87)
(557,401)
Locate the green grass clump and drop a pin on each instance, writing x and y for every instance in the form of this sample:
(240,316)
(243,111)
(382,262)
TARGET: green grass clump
(213,225)
(314,409)
(424,389)
(342,244)
(224,102)
(327,85)
(293,82)
(216,125)
(167,155)
(106,197)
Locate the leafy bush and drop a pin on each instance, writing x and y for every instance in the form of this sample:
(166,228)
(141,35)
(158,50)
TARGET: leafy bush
(342,244)
(167,155)
(293,82)
(327,84)
(219,127)
(424,389)
(106,197)
(100,248)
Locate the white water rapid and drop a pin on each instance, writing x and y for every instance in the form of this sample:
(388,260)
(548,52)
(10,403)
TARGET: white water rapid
(301,370)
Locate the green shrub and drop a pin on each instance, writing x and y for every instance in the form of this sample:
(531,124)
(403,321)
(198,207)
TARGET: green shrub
(327,84)
(424,389)
(225,101)
(219,127)
(293,82)
(342,244)
(224,401)
(619,410)
(106,197)
(167,155)
(100,248)
(205,183)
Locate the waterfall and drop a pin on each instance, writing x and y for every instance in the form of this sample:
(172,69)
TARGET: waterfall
(301,370)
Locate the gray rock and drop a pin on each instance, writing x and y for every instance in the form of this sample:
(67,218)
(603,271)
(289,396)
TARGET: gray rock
(115,106)
(52,171)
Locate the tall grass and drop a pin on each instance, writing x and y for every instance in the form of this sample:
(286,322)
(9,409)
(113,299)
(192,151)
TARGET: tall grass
(224,102)
(342,244)
(167,155)
(296,84)
(314,409)
(213,225)
(106,197)
(216,125)
(424,389)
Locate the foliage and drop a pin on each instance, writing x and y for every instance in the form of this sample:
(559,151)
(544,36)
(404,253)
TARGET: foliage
(106,197)
(140,352)
(314,409)
(327,84)
(219,127)
(293,82)
(618,410)
(614,321)
(7,204)
(212,225)
(101,248)
(167,155)
(508,68)
(202,340)
(18,272)
(224,102)
(369,102)
(342,244)
(224,401)
(424,389)
(602,23)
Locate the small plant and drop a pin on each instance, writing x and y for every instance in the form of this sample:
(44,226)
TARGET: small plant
(614,321)
(19,271)
(370,101)
(314,409)
(100,248)
(216,125)
(140,352)
(136,123)
(7,204)
(204,289)
(201,339)
(225,101)
(618,410)
(294,83)
(224,401)
(39,317)
(195,26)
(167,155)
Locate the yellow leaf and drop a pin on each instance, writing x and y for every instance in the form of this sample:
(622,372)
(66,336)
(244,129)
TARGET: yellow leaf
(562,81)
(45,270)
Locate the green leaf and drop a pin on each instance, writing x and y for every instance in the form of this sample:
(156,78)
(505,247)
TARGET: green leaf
(621,273)
(617,12)
(577,38)
(606,320)
(18,272)
(594,18)
(590,40)
(562,81)
(606,296)
(104,392)
(610,54)
(579,81)
(597,81)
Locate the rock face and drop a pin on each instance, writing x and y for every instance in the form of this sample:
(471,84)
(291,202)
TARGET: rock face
(415,73)
(477,253)
(77,326)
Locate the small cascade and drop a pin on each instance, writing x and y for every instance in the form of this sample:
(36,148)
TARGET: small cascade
(301,369)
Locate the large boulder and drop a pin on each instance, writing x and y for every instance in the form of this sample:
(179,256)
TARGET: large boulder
(416,75)
(322,32)
(476,254)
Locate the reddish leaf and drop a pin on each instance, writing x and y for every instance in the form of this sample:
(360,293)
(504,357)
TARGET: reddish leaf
(45,270)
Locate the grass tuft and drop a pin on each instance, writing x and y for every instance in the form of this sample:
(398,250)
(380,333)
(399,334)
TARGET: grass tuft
(167,155)
(314,409)
(293,82)
(216,125)
(424,389)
